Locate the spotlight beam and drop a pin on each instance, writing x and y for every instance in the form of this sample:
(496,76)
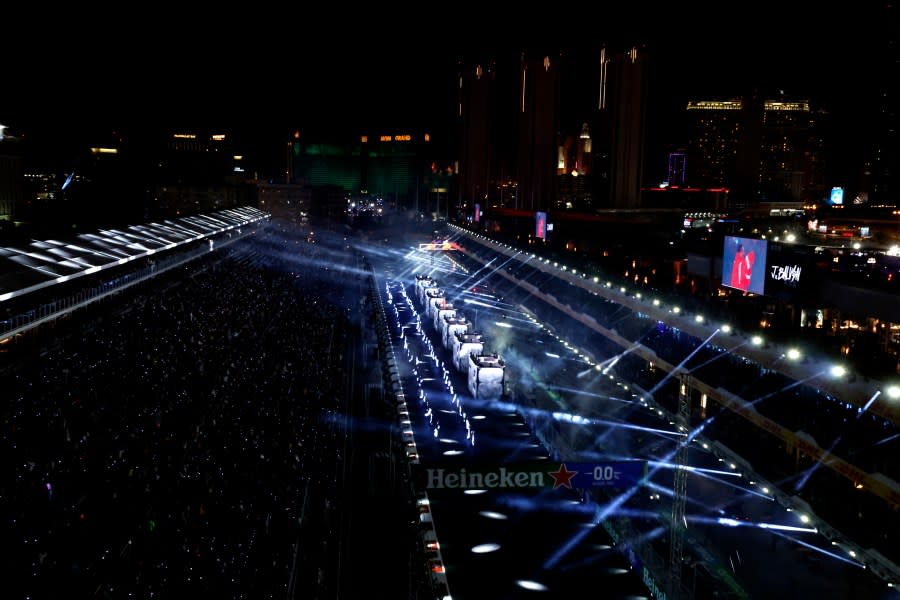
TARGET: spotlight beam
(816,465)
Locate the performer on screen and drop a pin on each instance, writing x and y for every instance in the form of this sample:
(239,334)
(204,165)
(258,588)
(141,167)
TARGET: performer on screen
(742,268)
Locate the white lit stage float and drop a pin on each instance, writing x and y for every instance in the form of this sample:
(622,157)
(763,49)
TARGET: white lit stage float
(440,312)
(465,344)
(434,298)
(487,376)
(423,282)
(450,326)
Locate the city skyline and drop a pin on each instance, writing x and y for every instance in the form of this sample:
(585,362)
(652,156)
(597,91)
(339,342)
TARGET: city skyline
(262,90)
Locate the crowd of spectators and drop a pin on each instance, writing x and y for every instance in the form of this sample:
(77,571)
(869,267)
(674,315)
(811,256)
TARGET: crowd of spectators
(183,439)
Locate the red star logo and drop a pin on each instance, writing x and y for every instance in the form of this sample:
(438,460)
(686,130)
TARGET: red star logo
(563,477)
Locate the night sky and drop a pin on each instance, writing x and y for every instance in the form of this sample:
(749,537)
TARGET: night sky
(265,73)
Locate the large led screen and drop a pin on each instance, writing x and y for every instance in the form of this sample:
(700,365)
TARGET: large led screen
(540,225)
(744,264)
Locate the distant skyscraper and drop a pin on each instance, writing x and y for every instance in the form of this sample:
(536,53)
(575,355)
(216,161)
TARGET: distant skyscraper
(601,138)
(583,151)
(885,154)
(12,177)
(815,165)
(194,174)
(574,171)
(713,134)
(783,157)
(761,150)
(196,158)
(627,117)
(476,103)
(578,138)
(676,173)
(538,139)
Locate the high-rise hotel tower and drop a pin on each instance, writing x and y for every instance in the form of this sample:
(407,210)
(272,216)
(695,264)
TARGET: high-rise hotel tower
(512,147)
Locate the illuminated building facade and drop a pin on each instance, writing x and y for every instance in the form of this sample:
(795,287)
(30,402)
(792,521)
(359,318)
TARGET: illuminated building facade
(713,135)
(392,166)
(761,150)
(196,158)
(785,146)
(574,172)
(198,172)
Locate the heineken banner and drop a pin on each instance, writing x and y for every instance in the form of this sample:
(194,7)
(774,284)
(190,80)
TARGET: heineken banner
(615,474)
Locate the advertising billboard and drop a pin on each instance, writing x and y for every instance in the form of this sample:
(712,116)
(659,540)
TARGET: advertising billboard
(837,196)
(540,225)
(744,264)
(789,271)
